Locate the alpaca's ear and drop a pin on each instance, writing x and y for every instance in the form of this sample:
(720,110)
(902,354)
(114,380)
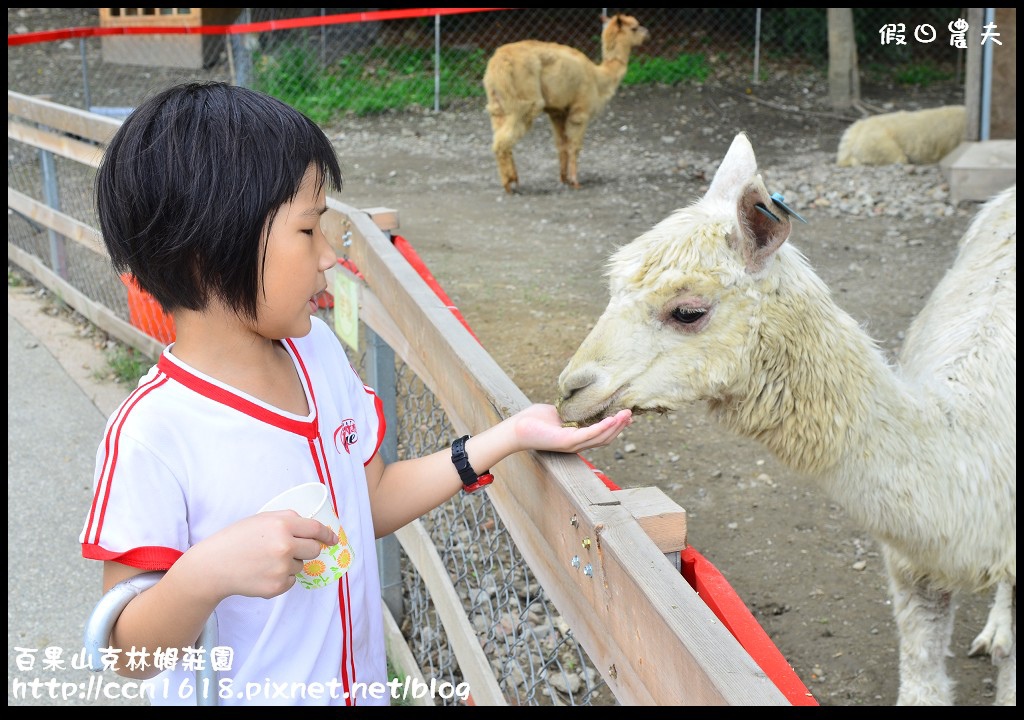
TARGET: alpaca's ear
(762,227)
(738,166)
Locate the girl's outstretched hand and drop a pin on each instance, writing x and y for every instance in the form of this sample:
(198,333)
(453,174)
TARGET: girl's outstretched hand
(539,427)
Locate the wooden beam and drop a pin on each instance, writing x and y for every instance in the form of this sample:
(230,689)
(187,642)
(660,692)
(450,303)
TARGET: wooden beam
(97,313)
(402,659)
(57,143)
(659,516)
(91,126)
(66,225)
(384,218)
(475,667)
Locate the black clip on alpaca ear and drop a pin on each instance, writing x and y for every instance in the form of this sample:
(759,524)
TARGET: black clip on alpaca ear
(779,200)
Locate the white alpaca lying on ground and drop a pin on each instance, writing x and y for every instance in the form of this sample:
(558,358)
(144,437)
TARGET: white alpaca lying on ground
(712,305)
(920,137)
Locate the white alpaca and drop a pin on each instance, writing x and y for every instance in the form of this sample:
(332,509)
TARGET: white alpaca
(920,137)
(713,305)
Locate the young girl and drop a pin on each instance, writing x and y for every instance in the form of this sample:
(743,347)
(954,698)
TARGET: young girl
(211,196)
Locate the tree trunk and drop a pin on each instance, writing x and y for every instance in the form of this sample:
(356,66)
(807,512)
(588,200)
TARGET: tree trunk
(843,76)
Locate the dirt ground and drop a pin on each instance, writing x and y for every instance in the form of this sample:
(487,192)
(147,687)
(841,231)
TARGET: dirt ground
(526,271)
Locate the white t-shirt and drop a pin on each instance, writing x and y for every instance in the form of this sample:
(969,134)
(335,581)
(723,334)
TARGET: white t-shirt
(185,455)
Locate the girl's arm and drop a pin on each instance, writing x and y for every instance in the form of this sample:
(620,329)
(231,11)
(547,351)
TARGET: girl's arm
(405,490)
(257,557)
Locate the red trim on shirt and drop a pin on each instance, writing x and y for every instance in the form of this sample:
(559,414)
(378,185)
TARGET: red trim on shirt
(347,669)
(111,440)
(143,558)
(305,428)
(382,426)
(320,463)
(327,479)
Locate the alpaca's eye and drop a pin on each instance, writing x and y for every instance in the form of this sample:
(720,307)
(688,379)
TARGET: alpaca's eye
(688,316)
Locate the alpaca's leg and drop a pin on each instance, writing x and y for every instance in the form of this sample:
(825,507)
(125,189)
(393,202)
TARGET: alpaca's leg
(575,128)
(998,634)
(924,618)
(502,145)
(506,135)
(509,126)
(1006,679)
(557,118)
(999,640)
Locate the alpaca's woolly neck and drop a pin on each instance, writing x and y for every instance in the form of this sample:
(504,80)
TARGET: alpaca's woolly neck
(901,455)
(613,67)
(815,375)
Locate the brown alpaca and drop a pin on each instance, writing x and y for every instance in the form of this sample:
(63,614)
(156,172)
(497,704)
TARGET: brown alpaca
(525,78)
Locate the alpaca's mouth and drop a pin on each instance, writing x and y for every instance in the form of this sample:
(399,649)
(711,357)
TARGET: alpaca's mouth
(611,405)
(611,410)
(657,409)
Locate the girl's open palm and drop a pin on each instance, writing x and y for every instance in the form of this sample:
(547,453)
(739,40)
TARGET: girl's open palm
(539,427)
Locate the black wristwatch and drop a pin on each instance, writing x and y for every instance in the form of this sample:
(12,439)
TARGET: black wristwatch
(471,480)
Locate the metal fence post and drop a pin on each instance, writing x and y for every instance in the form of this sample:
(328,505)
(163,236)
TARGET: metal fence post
(380,375)
(240,52)
(437,63)
(85,74)
(51,194)
(986,80)
(757,46)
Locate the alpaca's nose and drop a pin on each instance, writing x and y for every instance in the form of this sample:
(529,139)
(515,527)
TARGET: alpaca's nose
(572,381)
(562,400)
(572,384)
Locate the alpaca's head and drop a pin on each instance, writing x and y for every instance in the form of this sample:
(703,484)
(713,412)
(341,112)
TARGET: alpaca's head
(620,35)
(687,299)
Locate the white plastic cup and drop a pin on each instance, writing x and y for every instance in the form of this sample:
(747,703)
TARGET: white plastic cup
(312,500)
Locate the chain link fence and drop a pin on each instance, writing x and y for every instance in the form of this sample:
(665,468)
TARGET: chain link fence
(431,62)
(533,655)
(332,61)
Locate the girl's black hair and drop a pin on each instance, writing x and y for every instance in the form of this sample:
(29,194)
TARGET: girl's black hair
(191,181)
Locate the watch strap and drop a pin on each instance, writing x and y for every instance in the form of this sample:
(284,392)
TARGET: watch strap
(471,479)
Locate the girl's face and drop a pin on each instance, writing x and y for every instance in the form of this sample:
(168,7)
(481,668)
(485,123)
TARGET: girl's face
(297,258)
